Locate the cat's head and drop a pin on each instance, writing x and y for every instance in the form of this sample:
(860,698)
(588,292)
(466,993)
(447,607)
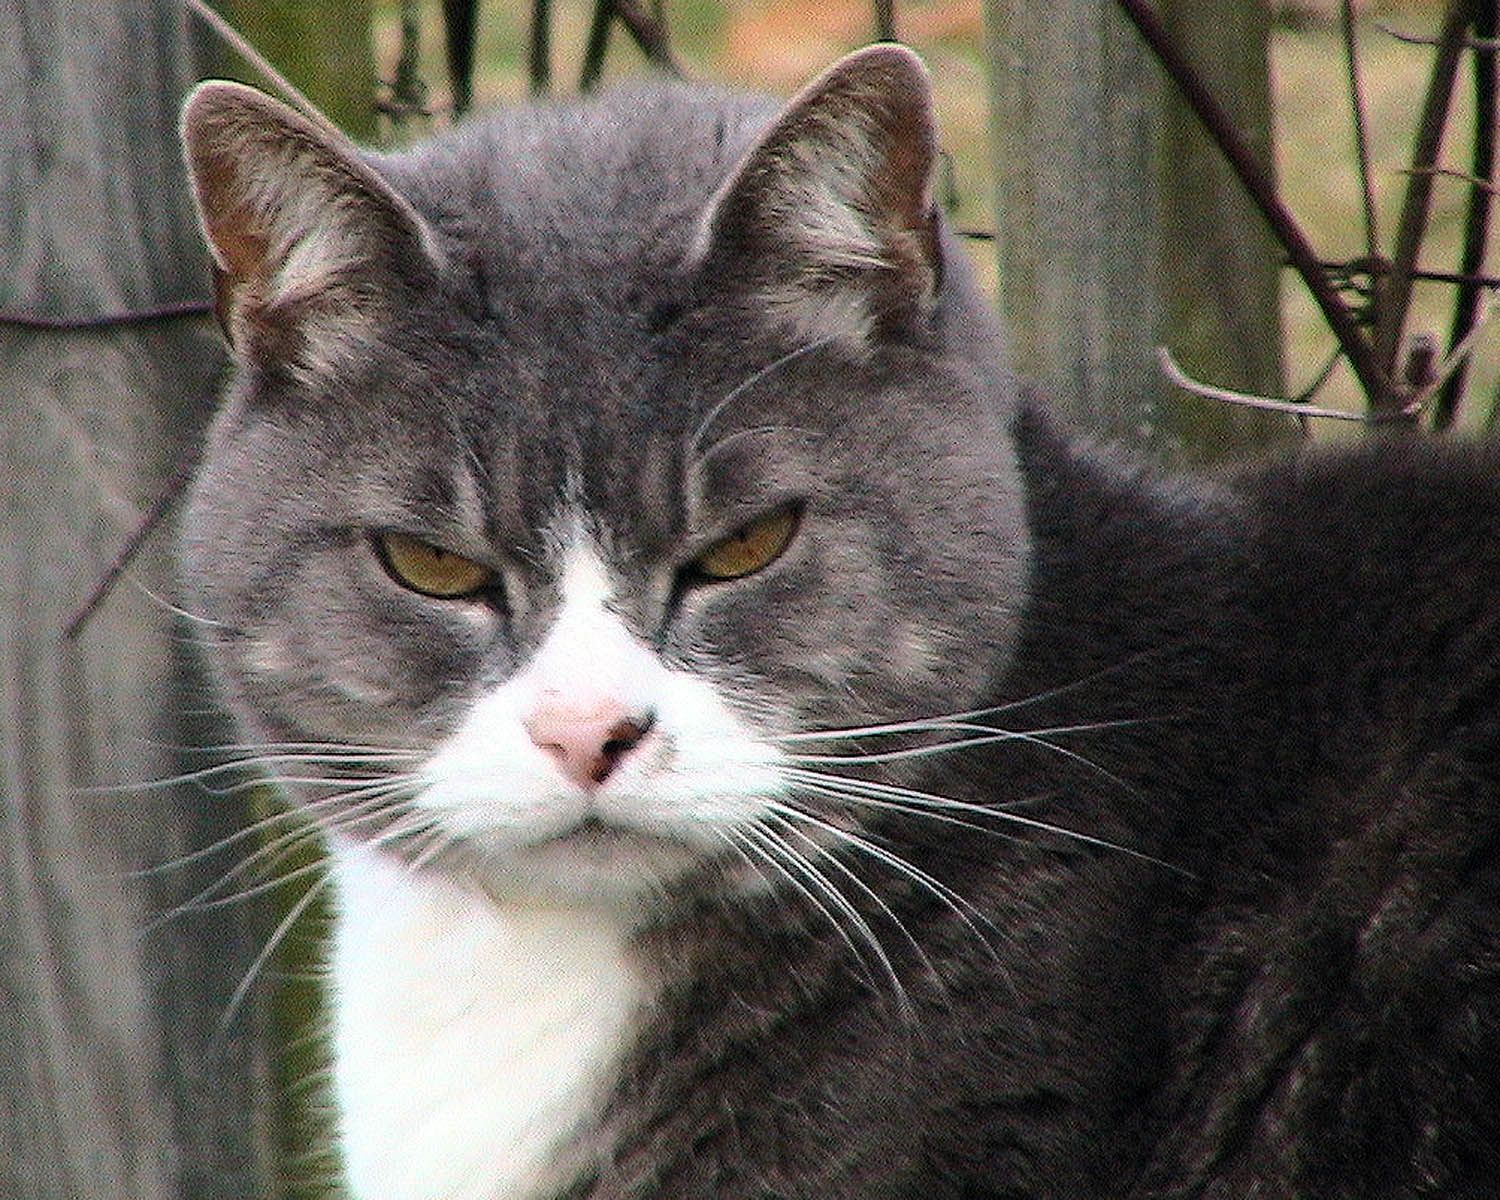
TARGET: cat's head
(585,466)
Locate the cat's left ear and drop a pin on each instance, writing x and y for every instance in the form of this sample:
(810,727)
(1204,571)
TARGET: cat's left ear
(830,217)
(312,248)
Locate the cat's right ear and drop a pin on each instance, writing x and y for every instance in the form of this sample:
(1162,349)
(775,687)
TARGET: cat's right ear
(311,247)
(829,220)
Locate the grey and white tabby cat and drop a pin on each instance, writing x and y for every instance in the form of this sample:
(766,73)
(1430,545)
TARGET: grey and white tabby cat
(761,757)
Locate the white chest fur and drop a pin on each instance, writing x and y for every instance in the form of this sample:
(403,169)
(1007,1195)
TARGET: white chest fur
(471,1040)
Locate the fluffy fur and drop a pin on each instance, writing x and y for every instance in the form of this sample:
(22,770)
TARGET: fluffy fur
(1026,825)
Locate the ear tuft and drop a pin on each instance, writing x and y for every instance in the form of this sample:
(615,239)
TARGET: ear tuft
(830,215)
(309,243)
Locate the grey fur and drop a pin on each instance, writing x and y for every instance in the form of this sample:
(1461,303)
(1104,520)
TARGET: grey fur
(1228,918)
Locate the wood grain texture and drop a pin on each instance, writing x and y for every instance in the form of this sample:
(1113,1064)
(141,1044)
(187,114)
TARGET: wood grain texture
(1120,228)
(115,1081)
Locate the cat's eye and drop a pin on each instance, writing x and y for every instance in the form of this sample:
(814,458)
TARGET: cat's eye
(430,569)
(749,548)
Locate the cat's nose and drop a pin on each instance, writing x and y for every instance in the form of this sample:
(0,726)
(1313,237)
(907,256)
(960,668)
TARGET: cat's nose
(587,741)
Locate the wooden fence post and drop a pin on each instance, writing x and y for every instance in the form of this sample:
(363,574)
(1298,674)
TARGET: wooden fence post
(115,1080)
(1121,229)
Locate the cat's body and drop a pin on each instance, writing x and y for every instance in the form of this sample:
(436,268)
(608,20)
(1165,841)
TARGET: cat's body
(1156,850)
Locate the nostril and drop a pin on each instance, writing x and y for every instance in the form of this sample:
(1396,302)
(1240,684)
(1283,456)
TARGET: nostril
(622,738)
(626,734)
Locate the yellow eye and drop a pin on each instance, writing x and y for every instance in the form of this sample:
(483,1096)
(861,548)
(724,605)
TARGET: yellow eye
(749,549)
(430,570)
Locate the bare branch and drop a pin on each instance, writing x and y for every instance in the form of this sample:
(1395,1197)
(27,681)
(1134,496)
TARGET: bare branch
(1476,218)
(1375,380)
(1396,299)
(1486,44)
(597,45)
(241,46)
(1244,399)
(539,60)
(1361,134)
(649,34)
(1477,181)
(1456,357)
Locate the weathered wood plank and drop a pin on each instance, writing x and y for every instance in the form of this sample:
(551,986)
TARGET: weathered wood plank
(113,1082)
(1121,229)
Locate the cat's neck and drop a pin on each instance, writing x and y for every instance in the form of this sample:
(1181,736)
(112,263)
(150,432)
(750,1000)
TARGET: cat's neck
(474,1040)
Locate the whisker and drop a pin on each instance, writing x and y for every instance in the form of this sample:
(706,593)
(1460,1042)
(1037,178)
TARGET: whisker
(989,736)
(961,908)
(750,381)
(776,854)
(177,610)
(273,943)
(867,790)
(206,901)
(784,814)
(203,775)
(267,857)
(960,723)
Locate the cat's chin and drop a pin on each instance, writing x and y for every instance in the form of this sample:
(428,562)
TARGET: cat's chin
(593,863)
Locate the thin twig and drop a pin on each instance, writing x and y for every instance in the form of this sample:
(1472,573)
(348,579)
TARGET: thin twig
(135,316)
(1473,180)
(539,60)
(1476,219)
(1418,39)
(182,472)
(1377,384)
(1361,133)
(1396,299)
(1324,374)
(1378,266)
(1244,399)
(173,488)
(649,34)
(885,20)
(241,46)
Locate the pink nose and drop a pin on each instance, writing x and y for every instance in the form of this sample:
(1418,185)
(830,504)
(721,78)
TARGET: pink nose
(589,741)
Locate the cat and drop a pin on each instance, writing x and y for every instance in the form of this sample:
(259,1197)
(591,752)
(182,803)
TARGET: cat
(761,754)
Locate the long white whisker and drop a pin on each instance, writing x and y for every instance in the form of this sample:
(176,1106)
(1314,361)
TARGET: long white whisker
(957,904)
(204,775)
(773,851)
(278,935)
(866,789)
(988,736)
(838,788)
(206,901)
(786,816)
(844,905)
(267,857)
(750,381)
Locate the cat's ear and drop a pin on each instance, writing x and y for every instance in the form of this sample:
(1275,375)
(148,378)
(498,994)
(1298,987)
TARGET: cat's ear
(311,247)
(830,216)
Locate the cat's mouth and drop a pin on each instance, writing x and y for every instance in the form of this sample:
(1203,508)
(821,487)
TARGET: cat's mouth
(591,859)
(594,835)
